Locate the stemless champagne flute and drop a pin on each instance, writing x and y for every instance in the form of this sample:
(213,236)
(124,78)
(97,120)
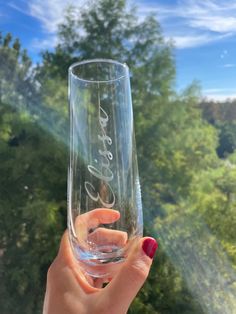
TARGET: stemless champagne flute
(104,197)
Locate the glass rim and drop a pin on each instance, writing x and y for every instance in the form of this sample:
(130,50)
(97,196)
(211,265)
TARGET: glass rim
(97,60)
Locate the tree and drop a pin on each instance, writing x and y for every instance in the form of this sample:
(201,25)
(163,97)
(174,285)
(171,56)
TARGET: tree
(17,85)
(108,30)
(222,115)
(186,187)
(171,134)
(227,138)
(32,187)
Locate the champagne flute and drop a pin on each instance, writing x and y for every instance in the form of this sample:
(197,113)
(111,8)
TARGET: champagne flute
(104,197)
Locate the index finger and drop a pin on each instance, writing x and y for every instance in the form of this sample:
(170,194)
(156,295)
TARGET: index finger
(95,217)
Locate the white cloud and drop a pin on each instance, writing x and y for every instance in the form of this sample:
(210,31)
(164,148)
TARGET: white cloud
(219,94)
(194,39)
(17,7)
(50,12)
(229,65)
(189,23)
(42,44)
(220,98)
(197,21)
(187,41)
(219,24)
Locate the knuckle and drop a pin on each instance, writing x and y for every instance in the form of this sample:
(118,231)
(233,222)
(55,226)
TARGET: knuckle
(52,272)
(140,270)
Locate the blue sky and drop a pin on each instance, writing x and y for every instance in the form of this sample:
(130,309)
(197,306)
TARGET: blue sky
(204,33)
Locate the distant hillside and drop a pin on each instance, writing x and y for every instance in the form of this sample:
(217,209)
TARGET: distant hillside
(222,115)
(218,111)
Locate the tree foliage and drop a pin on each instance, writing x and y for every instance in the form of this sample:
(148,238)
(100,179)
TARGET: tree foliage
(223,116)
(188,191)
(32,187)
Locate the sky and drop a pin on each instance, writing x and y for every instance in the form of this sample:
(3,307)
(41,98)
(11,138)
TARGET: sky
(203,31)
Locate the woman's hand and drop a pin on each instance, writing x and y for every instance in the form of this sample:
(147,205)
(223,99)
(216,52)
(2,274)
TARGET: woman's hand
(69,291)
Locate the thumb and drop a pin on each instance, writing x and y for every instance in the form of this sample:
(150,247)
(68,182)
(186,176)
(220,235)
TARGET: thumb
(126,284)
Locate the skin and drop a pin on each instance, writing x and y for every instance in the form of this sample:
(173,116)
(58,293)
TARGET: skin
(70,291)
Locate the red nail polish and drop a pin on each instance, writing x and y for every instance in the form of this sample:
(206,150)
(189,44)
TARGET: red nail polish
(149,247)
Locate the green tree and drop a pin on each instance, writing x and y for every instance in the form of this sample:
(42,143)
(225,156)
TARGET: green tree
(109,30)
(174,142)
(17,86)
(227,138)
(187,189)
(32,187)
(214,111)
(222,115)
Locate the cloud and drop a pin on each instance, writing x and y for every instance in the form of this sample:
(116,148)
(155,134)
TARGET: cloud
(219,94)
(197,21)
(50,12)
(17,7)
(42,44)
(194,40)
(229,65)
(189,41)
(190,23)
(218,24)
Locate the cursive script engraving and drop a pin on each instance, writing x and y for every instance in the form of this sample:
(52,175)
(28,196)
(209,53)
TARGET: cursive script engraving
(95,196)
(106,174)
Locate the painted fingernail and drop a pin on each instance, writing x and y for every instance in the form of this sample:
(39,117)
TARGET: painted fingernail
(150,246)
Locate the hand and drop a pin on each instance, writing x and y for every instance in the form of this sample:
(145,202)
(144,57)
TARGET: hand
(69,291)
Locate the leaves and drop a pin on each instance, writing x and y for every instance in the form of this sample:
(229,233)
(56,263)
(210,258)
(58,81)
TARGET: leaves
(188,191)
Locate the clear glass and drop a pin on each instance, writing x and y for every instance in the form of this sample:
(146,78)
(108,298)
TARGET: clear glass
(104,197)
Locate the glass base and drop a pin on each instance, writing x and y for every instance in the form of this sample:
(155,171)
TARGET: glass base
(103,262)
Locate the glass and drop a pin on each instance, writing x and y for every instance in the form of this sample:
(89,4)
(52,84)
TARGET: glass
(104,197)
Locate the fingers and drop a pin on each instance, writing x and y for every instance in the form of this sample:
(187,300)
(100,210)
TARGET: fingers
(93,219)
(132,275)
(65,260)
(98,216)
(103,236)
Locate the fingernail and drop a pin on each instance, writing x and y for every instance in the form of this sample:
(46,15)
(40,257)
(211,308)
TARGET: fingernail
(149,247)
